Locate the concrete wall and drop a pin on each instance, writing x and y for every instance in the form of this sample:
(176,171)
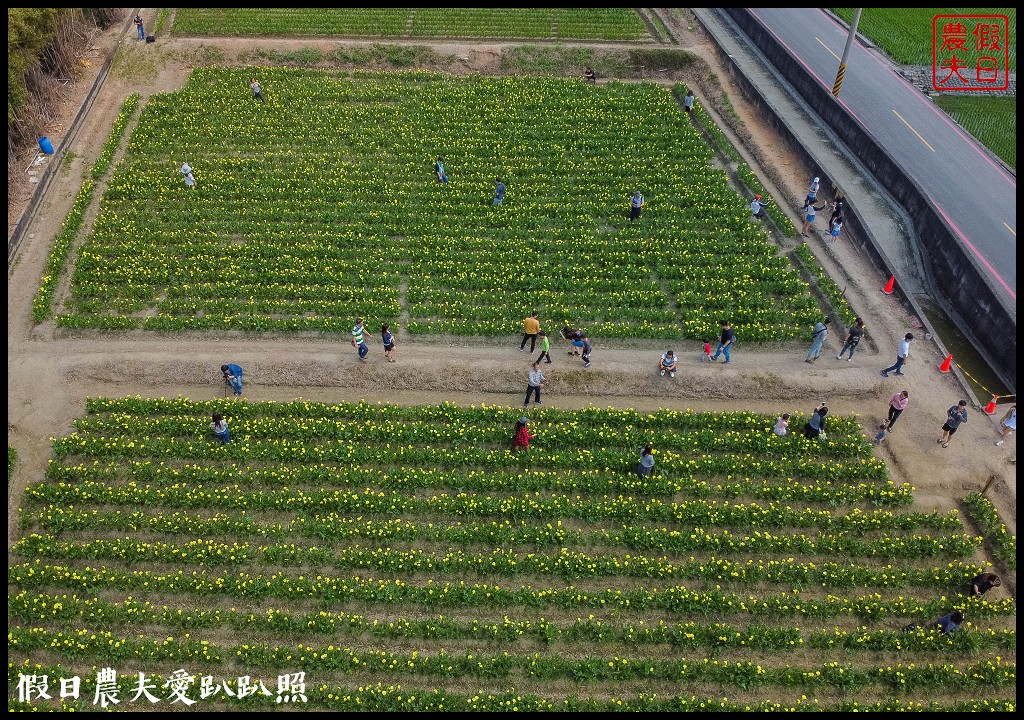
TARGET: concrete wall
(960,286)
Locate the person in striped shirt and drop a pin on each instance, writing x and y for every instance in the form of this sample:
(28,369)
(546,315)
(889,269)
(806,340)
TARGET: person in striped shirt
(358,341)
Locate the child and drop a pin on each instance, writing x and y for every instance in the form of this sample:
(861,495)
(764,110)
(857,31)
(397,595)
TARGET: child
(545,347)
(781,425)
(646,464)
(388,338)
(586,347)
(837,227)
(220,428)
(706,353)
(883,431)
(442,176)
(522,436)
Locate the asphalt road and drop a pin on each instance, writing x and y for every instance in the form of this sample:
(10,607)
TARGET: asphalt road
(972,191)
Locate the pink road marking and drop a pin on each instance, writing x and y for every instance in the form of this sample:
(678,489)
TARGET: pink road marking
(975,251)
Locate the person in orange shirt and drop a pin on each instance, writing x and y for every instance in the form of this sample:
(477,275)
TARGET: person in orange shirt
(531,326)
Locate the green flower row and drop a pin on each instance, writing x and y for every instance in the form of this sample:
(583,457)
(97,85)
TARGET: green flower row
(553,436)
(530,480)
(387,455)
(690,514)
(42,304)
(327,589)
(334,527)
(99,168)
(745,675)
(984,513)
(836,297)
(393,698)
(32,608)
(566,564)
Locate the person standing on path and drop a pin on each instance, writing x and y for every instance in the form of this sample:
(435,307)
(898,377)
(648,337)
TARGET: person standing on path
(902,354)
(535,381)
(852,339)
(668,364)
(545,347)
(635,204)
(499,192)
(1008,424)
(257,91)
(233,377)
(442,176)
(809,219)
(359,341)
(819,333)
(587,347)
(140,28)
(688,101)
(897,404)
(531,327)
(190,179)
(646,464)
(725,342)
(705,351)
(812,194)
(837,213)
(388,338)
(955,417)
(220,428)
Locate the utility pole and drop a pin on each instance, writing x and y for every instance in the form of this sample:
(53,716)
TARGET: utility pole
(846,52)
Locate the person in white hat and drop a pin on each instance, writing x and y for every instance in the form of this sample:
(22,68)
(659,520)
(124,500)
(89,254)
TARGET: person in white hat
(812,193)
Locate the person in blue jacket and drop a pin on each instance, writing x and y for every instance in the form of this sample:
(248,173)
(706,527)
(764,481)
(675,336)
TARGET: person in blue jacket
(233,377)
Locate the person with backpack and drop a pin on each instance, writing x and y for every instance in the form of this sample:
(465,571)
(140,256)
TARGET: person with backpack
(852,340)
(815,427)
(819,333)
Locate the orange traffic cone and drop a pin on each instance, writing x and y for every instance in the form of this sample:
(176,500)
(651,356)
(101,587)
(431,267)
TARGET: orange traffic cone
(944,367)
(991,407)
(888,286)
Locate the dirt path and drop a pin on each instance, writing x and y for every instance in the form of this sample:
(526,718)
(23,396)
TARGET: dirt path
(50,373)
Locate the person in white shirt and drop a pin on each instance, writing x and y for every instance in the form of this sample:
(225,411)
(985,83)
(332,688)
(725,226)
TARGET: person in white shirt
(668,364)
(901,356)
(781,425)
(535,382)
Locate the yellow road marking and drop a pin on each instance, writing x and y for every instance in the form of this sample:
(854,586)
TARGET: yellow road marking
(914,131)
(827,48)
(1010,229)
